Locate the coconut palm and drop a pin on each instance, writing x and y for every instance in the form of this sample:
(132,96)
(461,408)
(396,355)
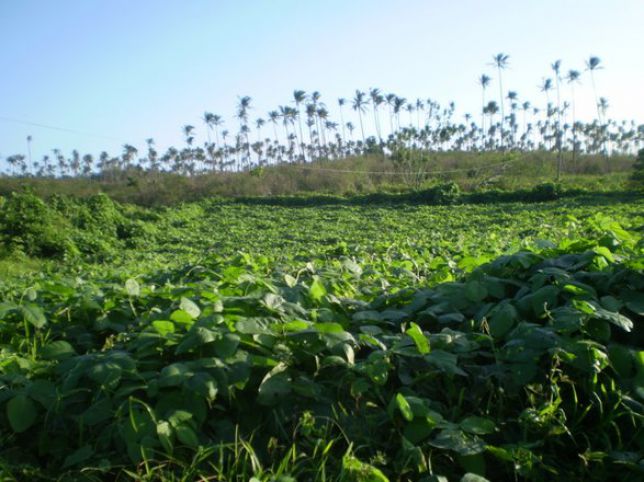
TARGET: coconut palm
(376,100)
(359,105)
(341,102)
(556,67)
(299,97)
(501,62)
(484,81)
(573,78)
(593,64)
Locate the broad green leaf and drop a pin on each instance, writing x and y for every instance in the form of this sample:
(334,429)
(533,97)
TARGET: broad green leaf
(173,375)
(502,320)
(187,436)
(470,477)
(403,406)
(33,314)
(475,291)
(275,385)
(317,291)
(163,327)
(477,425)
(44,392)
(164,432)
(361,471)
(458,441)
(226,346)
(78,456)
(190,307)
(132,288)
(416,334)
(21,412)
(616,319)
(57,350)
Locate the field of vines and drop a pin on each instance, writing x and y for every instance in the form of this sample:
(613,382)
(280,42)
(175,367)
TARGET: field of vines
(431,339)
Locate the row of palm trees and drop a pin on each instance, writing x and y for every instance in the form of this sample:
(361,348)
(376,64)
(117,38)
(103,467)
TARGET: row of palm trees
(303,131)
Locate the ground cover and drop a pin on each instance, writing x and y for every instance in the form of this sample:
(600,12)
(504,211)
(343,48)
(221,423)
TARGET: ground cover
(327,342)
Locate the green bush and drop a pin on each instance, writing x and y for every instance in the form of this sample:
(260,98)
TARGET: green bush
(27,224)
(444,193)
(638,169)
(547,191)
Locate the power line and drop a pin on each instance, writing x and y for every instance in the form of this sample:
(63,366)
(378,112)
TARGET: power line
(56,128)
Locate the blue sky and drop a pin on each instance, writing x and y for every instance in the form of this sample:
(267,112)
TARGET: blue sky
(121,71)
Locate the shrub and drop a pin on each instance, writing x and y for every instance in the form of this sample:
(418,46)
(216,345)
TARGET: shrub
(547,191)
(444,193)
(27,224)
(638,169)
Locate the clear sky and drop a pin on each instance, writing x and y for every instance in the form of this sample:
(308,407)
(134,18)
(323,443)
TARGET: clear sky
(124,70)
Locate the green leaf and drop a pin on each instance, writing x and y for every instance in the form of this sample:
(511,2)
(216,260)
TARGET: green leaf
(33,314)
(361,471)
(173,375)
(196,337)
(21,412)
(44,392)
(57,350)
(403,406)
(317,291)
(163,327)
(275,386)
(78,456)
(164,432)
(132,288)
(181,316)
(226,346)
(187,435)
(475,291)
(190,307)
(416,334)
(477,425)
(470,477)
(458,441)
(98,412)
(616,319)
(502,320)
(6,307)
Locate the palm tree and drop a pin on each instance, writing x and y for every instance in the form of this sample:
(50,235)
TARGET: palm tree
(274,117)
(359,104)
(593,64)
(29,139)
(376,100)
(299,96)
(217,121)
(573,78)
(399,103)
(341,102)
(208,119)
(390,100)
(243,106)
(259,123)
(484,81)
(556,67)
(501,61)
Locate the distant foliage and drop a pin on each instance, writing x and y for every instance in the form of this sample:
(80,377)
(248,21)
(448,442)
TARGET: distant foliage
(28,225)
(64,226)
(638,169)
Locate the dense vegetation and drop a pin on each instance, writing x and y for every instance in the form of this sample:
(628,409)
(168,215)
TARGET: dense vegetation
(427,335)
(363,175)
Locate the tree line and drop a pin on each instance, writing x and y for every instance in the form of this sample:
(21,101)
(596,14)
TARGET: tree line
(371,121)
